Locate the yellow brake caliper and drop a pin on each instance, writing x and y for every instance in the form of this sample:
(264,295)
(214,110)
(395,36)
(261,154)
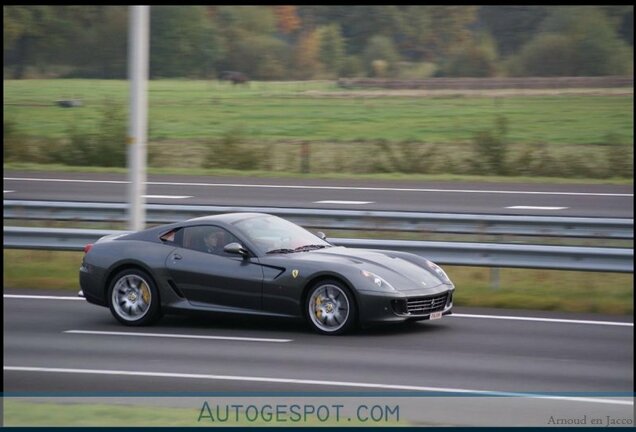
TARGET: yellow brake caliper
(145,293)
(317,308)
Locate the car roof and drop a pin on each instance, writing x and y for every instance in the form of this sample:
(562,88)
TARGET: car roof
(151,234)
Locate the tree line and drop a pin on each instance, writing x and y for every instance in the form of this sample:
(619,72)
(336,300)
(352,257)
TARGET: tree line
(277,42)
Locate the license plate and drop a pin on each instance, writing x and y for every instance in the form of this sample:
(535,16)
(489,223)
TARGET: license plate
(436,315)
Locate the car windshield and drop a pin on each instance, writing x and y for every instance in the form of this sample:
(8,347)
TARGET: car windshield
(272,234)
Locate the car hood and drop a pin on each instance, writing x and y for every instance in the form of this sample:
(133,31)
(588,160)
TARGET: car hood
(401,273)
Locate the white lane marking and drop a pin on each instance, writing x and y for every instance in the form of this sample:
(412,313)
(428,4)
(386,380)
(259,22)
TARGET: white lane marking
(327,187)
(41,297)
(503,317)
(7,191)
(551,320)
(66,180)
(536,208)
(316,382)
(343,202)
(178,336)
(167,196)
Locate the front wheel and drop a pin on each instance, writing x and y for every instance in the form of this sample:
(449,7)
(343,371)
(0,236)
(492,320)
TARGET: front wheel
(330,308)
(133,298)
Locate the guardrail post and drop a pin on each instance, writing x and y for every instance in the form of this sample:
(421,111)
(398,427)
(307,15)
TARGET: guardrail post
(494,278)
(305,152)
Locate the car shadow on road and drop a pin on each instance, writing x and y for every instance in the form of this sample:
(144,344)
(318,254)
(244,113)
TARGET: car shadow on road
(262,324)
(220,321)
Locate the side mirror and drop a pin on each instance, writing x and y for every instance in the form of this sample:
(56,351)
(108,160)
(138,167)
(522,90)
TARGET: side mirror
(236,248)
(322,235)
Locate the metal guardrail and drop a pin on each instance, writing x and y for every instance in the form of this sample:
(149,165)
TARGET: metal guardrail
(607,228)
(59,239)
(453,253)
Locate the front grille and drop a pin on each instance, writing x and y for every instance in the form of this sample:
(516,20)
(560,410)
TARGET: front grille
(426,305)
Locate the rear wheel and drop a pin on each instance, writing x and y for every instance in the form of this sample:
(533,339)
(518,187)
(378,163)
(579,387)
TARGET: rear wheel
(330,308)
(133,298)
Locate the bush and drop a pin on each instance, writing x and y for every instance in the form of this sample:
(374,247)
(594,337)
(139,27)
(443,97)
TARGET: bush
(232,152)
(477,59)
(413,71)
(352,66)
(106,146)
(574,41)
(19,147)
(546,55)
(471,62)
(490,149)
(619,156)
(536,160)
(14,146)
(579,166)
(406,157)
(381,48)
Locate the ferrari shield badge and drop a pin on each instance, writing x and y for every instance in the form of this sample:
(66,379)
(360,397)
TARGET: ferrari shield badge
(295,273)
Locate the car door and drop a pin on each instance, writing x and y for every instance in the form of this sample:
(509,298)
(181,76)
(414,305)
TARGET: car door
(209,276)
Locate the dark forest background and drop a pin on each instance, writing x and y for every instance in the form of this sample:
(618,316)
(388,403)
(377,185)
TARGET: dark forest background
(323,42)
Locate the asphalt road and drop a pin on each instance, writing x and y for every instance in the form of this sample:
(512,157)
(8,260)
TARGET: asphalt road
(454,352)
(71,347)
(454,197)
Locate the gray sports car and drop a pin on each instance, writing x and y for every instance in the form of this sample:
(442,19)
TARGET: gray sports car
(254,263)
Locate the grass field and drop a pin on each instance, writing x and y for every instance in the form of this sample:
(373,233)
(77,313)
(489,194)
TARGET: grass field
(287,111)
(43,414)
(316,127)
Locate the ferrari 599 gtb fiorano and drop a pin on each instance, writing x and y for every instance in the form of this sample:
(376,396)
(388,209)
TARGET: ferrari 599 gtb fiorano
(254,263)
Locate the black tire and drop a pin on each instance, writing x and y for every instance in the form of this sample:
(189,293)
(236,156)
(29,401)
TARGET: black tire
(133,298)
(339,314)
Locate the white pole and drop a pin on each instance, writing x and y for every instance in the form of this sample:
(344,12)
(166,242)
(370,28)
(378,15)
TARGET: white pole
(137,128)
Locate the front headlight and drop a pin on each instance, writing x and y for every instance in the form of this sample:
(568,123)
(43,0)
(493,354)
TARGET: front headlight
(437,270)
(376,280)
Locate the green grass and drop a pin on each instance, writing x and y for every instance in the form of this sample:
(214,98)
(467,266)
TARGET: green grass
(274,112)
(567,291)
(611,293)
(19,413)
(196,124)
(41,269)
(218,172)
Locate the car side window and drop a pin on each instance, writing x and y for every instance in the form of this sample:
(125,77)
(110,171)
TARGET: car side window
(171,236)
(208,238)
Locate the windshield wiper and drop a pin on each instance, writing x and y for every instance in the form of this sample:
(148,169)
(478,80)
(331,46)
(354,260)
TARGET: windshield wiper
(280,251)
(309,247)
(298,249)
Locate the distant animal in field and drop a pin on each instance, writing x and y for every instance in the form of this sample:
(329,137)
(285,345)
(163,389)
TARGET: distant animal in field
(68,103)
(235,77)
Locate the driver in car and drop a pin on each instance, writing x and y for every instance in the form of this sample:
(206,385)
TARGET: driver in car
(214,242)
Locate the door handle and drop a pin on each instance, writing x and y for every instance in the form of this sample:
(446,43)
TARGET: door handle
(176,257)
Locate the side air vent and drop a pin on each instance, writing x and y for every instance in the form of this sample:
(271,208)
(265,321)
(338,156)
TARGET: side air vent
(176,289)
